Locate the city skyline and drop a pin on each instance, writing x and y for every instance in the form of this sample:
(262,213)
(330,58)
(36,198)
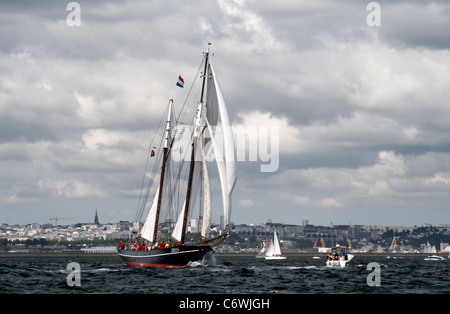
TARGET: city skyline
(360,108)
(64,222)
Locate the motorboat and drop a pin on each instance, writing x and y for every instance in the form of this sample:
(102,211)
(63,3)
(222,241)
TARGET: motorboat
(339,257)
(433,258)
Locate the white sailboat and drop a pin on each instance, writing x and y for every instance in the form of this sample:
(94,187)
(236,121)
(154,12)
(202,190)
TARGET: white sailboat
(431,249)
(273,251)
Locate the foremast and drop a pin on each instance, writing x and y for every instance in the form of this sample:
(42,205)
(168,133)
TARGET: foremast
(163,168)
(150,229)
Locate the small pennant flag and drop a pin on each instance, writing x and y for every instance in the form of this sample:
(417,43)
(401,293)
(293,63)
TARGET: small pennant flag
(152,153)
(180,82)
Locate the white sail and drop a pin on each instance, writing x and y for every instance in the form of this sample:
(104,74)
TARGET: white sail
(274,246)
(277,250)
(149,225)
(274,251)
(221,166)
(207,208)
(429,249)
(433,249)
(226,162)
(271,249)
(178,229)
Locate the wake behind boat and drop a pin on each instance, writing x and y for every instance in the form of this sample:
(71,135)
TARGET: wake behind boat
(262,251)
(180,174)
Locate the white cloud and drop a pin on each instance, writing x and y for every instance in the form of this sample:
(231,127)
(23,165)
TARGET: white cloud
(72,189)
(330,203)
(246,203)
(301,200)
(253,123)
(439,178)
(256,34)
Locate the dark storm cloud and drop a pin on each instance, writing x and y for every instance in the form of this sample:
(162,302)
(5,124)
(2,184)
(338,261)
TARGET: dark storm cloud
(416,24)
(360,109)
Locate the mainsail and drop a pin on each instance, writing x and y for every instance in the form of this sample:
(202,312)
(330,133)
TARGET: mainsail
(274,246)
(210,128)
(207,204)
(226,160)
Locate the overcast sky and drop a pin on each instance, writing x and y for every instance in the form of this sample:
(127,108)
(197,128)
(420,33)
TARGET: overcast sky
(363,111)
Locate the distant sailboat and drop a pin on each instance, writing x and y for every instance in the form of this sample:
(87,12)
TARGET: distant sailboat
(273,251)
(182,177)
(430,249)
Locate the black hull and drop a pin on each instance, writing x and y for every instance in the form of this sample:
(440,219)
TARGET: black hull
(178,256)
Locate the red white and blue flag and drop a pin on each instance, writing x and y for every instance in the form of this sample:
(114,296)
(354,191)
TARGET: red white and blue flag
(180,82)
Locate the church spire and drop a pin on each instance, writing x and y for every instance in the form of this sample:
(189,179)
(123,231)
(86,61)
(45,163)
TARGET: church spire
(96,218)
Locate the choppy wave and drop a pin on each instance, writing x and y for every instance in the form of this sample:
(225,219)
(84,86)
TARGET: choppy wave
(225,276)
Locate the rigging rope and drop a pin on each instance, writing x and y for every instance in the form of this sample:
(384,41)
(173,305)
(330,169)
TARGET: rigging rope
(139,211)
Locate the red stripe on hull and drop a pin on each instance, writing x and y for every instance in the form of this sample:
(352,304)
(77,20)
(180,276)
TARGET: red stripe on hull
(135,264)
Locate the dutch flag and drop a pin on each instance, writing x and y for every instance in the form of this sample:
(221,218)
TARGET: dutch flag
(180,82)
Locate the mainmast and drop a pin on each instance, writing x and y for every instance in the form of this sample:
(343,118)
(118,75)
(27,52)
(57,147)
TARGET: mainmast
(163,168)
(192,164)
(204,72)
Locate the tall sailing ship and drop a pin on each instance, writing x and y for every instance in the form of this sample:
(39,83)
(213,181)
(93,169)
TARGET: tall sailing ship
(180,179)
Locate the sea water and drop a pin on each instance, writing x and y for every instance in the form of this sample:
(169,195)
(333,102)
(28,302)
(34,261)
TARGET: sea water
(225,276)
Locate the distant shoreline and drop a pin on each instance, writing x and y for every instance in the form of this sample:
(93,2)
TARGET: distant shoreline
(79,254)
